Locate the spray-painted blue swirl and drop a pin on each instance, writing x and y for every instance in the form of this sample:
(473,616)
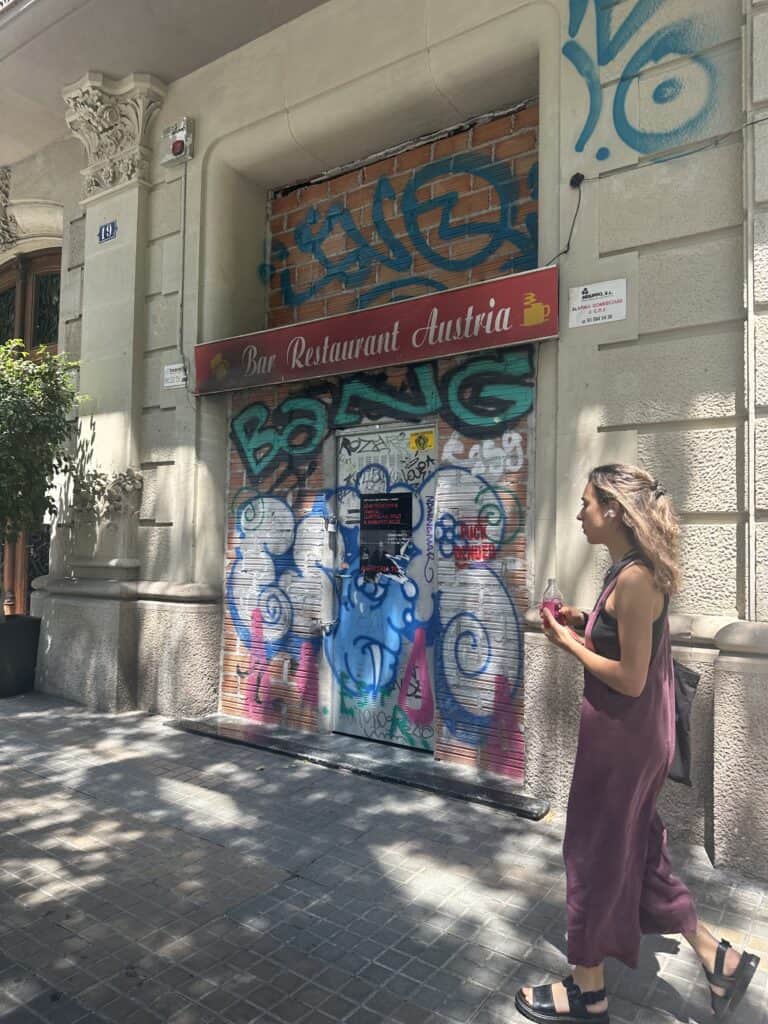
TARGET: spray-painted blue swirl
(675,40)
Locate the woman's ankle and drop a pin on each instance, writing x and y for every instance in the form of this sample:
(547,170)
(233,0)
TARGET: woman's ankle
(589,979)
(702,941)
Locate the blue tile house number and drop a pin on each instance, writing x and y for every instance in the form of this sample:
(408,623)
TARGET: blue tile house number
(108,231)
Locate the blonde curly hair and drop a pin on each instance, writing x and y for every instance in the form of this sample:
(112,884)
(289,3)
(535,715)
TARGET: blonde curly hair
(649,516)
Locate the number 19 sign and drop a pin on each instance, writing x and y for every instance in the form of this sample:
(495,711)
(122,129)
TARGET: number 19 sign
(108,231)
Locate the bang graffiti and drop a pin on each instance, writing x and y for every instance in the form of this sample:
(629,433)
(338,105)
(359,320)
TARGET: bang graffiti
(429,654)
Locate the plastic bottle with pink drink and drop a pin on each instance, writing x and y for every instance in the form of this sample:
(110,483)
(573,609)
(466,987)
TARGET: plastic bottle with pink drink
(552,599)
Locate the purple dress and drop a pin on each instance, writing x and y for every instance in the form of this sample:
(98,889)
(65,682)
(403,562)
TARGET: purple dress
(620,884)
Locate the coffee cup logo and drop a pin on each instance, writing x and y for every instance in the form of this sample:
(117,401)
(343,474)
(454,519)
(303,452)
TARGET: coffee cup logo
(534,312)
(219,366)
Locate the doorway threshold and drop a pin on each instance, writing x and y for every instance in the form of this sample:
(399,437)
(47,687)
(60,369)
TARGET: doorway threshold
(377,760)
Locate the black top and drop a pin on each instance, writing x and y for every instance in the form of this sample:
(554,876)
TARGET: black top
(605,631)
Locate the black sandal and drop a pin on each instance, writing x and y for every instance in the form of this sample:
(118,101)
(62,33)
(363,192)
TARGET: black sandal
(542,1009)
(735,984)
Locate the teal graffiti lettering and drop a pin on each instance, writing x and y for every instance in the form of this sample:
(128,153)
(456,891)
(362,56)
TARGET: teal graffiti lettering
(373,398)
(679,39)
(480,398)
(262,448)
(485,394)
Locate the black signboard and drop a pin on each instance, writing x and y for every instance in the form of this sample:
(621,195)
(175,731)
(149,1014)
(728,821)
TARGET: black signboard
(386,522)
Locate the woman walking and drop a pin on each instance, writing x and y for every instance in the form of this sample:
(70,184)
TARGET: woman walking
(619,880)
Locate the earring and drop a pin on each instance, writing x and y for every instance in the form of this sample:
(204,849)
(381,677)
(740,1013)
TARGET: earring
(610,514)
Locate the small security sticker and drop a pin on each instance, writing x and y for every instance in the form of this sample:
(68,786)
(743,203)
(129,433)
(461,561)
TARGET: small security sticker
(422,440)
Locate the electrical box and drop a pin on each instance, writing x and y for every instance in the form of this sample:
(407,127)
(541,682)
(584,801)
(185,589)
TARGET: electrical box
(178,142)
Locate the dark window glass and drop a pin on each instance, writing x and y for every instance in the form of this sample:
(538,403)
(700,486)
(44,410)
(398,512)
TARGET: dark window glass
(38,547)
(46,328)
(7,314)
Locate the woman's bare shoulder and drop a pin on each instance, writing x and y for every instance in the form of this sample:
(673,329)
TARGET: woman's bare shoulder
(636,580)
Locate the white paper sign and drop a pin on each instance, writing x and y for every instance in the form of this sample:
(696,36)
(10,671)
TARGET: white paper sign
(600,303)
(174,376)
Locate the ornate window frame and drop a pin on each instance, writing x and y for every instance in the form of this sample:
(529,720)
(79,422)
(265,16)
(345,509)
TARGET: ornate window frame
(24,273)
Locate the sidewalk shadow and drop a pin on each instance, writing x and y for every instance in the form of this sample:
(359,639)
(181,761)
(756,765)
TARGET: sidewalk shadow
(197,870)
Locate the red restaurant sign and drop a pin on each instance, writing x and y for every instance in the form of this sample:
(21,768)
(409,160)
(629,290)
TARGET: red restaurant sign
(506,311)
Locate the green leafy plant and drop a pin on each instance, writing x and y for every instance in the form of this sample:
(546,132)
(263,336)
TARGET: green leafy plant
(94,495)
(37,399)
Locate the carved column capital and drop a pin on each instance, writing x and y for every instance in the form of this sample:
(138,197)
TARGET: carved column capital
(111,117)
(9,230)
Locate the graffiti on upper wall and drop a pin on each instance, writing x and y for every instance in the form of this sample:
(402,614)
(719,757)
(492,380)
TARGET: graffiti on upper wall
(355,267)
(480,398)
(687,92)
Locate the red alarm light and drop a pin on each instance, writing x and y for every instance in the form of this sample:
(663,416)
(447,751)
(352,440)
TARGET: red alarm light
(178,143)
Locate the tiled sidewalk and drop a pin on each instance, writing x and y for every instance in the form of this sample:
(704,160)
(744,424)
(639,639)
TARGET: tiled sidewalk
(152,875)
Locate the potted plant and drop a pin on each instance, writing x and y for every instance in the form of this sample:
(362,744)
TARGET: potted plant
(37,399)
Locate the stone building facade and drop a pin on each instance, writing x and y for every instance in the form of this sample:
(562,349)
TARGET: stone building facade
(360,154)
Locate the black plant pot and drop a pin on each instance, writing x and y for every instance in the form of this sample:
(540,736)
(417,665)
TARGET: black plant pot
(19,635)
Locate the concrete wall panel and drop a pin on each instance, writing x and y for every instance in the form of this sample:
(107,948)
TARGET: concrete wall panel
(678,378)
(760,64)
(73,330)
(343,24)
(761,257)
(158,436)
(762,571)
(76,241)
(71,294)
(692,284)
(155,552)
(741,764)
(761,389)
(156,496)
(164,209)
(761,162)
(398,103)
(687,198)
(710,570)
(761,474)
(178,658)
(155,267)
(87,652)
(698,468)
(162,321)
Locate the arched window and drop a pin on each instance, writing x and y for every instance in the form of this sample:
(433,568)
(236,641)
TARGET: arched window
(29,298)
(29,309)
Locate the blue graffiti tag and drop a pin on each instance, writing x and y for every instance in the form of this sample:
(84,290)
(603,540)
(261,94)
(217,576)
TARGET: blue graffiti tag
(375,618)
(355,267)
(676,40)
(464,654)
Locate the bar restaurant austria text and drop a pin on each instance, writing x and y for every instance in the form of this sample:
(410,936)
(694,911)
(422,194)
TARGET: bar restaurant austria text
(509,310)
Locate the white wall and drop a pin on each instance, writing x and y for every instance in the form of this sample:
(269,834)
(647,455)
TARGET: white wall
(666,386)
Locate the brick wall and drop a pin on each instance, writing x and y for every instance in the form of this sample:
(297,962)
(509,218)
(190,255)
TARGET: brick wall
(442,214)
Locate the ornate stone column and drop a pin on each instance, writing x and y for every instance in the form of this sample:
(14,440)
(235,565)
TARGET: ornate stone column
(90,634)
(111,118)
